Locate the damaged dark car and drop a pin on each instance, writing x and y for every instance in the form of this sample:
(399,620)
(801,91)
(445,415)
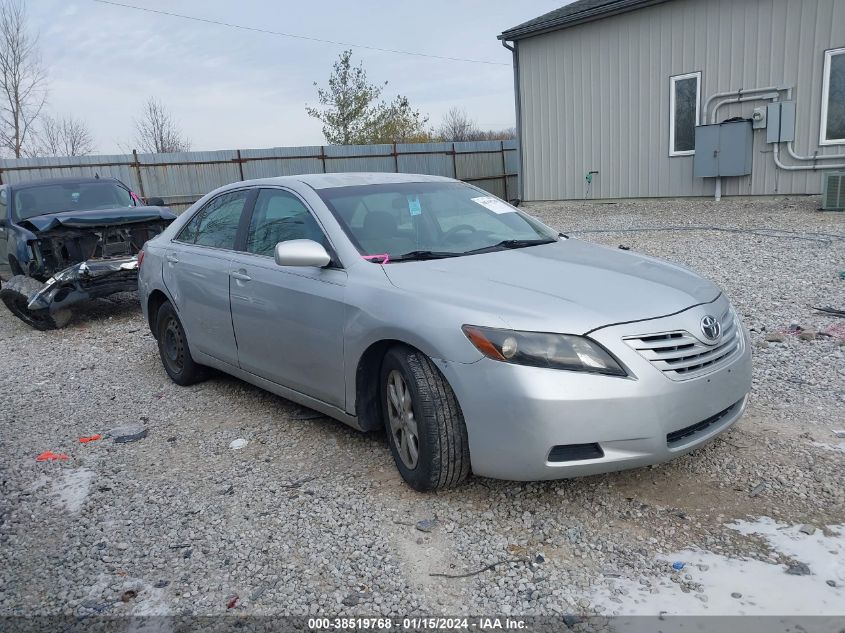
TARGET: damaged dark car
(70,240)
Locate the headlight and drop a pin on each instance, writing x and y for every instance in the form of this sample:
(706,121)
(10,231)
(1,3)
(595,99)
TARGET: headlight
(540,349)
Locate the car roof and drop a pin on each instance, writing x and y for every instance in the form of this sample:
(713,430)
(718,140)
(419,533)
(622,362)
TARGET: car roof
(59,181)
(350,179)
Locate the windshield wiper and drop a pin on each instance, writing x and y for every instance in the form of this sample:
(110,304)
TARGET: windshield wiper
(423,255)
(511,244)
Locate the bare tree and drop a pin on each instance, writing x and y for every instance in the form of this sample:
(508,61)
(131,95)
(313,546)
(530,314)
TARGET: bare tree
(23,80)
(64,136)
(495,135)
(457,126)
(157,131)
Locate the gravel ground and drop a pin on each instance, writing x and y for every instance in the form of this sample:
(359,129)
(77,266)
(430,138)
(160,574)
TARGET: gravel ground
(311,517)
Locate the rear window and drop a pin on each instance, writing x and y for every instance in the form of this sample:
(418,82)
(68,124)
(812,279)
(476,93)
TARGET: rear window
(54,198)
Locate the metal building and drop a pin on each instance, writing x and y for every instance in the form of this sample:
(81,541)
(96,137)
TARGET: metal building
(609,94)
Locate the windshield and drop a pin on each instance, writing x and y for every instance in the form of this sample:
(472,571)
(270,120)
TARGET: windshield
(71,196)
(427,220)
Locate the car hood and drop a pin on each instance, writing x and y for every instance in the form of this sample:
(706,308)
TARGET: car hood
(570,286)
(98,217)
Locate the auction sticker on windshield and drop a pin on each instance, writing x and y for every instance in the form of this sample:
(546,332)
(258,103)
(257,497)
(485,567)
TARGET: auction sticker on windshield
(494,204)
(414,205)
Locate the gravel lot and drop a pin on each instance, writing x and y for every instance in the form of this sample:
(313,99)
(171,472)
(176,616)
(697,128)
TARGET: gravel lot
(311,517)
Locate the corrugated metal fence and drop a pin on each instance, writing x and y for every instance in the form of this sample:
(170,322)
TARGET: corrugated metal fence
(183,178)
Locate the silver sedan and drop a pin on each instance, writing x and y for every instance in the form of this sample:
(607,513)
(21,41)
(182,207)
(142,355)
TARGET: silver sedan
(479,338)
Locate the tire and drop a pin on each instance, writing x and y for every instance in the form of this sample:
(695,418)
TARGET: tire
(16,294)
(442,448)
(173,349)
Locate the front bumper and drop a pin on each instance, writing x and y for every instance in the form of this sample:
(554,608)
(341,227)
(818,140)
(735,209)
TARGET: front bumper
(516,415)
(87,280)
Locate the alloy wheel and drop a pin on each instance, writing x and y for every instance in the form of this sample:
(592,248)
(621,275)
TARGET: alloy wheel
(403,424)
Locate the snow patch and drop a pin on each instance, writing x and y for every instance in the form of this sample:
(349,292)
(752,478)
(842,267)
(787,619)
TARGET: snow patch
(39,483)
(150,602)
(147,611)
(73,488)
(735,586)
(831,447)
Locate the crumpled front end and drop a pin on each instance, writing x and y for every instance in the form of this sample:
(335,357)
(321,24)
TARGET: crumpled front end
(62,247)
(72,261)
(86,280)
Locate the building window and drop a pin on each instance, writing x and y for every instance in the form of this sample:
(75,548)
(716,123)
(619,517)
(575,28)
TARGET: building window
(684,104)
(833,98)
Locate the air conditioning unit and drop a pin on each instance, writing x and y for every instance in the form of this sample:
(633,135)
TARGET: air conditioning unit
(833,192)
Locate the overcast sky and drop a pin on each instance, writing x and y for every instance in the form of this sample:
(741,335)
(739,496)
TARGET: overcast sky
(236,89)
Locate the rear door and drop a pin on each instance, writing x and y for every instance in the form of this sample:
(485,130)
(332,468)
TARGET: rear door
(288,320)
(196,272)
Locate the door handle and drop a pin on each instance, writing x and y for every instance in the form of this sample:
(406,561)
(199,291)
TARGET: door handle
(172,258)
(240,275)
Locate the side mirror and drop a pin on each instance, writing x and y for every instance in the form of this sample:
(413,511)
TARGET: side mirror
(301,253)
(155,202)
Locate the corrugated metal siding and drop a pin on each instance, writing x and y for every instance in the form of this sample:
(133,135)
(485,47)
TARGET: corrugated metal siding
(345,158)
(426,158)
(281,161)
(190,174)
(596,96)
(183,178)
(107,166)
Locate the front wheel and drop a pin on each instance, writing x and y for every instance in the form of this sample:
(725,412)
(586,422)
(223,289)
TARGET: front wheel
(16,294)
(424,423)
(173,349)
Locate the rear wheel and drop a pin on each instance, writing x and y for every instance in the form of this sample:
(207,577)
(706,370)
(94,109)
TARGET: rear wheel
(424,423)
(173,349)
(16,294)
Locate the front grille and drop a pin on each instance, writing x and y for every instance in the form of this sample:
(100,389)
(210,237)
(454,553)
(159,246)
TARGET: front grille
(680,355)
(676,437)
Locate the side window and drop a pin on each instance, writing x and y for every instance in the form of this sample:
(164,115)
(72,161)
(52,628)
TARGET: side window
(684,105)
(216,224)
(833,98)
(280,216)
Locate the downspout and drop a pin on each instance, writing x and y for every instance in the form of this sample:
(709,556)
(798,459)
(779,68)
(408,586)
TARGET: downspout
(518,111)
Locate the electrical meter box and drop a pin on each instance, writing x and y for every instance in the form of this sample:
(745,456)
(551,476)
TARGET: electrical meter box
(781,126)
(723,149)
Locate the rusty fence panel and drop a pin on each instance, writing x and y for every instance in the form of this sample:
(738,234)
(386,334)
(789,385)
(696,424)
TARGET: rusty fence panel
(182,178)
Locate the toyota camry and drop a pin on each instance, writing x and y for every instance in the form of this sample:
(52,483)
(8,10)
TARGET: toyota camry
(480,339)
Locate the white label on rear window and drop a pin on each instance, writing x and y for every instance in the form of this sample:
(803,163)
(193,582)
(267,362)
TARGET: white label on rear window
(494,204)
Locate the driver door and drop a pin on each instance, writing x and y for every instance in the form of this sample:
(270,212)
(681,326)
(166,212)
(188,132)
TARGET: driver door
(288,320)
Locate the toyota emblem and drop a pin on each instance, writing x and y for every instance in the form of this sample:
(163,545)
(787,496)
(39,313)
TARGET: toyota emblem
(710,327)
